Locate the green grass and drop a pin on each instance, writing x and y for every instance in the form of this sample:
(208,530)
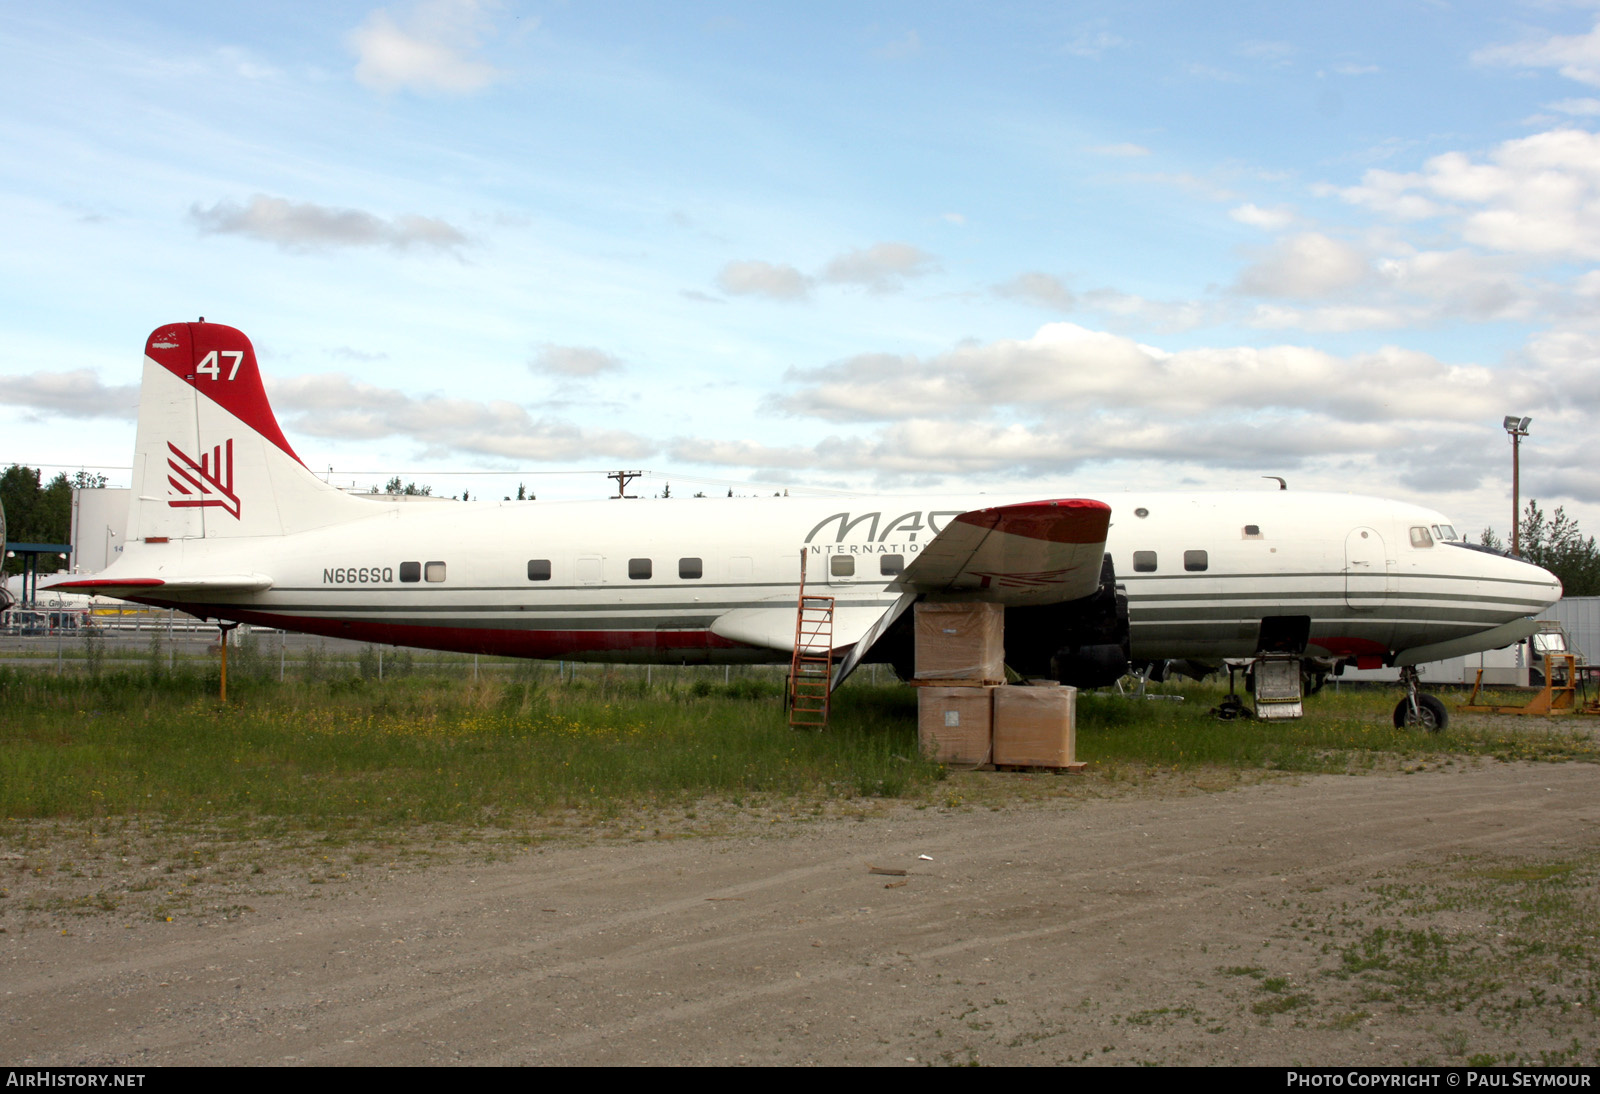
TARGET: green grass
(338,745)
(1347,731)
(428,749)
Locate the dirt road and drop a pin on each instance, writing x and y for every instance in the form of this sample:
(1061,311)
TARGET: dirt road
(1377,919)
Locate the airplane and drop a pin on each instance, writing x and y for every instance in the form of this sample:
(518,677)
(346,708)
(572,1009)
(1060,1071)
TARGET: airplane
(228,524)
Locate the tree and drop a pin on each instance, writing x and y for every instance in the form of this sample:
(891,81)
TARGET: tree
(410,489)
(34,513)
(1557,544)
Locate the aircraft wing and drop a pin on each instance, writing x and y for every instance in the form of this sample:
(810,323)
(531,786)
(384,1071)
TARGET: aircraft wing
(176,588)
(1036,552)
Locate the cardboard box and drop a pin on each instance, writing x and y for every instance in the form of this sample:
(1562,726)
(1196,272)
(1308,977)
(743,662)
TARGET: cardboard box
(953,724)
(965,642)
(1035,726)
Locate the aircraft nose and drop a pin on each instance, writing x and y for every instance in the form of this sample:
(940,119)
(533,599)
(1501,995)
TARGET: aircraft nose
(1553,583)
(1536,579)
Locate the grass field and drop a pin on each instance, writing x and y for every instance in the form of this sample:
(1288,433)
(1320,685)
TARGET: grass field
(337,746)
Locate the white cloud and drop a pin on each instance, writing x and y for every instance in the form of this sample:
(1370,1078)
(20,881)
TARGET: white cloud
(754,277)
(1039,288)
(1304,267)
(1579,108)
(78,393)
(1162,315)
(1334,319)
(1538,195)
(1575,56)
(1066,368)
(1391,193)
(1462,283)
(305,226)
(333,405)
(882,267)
(429,49)
(1273,220)
(573,361)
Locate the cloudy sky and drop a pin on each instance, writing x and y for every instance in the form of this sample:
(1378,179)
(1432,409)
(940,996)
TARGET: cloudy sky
(1063,248)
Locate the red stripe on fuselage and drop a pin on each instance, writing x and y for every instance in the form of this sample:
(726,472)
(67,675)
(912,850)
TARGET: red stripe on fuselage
(540,645)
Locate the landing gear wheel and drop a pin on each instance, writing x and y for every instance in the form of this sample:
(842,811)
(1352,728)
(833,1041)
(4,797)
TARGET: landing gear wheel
(1429,715)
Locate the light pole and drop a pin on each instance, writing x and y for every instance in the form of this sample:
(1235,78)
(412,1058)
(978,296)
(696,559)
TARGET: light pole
(1518,428)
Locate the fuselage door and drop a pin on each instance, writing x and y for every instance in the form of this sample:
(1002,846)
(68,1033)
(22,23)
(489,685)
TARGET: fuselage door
(1366,570)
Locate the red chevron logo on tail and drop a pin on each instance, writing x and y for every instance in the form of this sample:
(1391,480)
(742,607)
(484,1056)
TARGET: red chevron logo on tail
(211,477)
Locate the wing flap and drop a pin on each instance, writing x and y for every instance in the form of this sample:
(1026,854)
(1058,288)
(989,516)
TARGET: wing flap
(1037,552)
(773,627)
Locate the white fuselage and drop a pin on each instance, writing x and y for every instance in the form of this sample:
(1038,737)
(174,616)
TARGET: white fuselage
(648,580)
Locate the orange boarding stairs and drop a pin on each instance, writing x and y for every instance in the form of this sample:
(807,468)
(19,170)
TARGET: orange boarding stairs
(811,668)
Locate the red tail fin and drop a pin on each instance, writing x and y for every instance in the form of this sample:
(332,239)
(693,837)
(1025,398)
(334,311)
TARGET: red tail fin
(220,363)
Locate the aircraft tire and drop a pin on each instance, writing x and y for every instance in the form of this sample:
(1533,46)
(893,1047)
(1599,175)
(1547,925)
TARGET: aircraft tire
(1433,715)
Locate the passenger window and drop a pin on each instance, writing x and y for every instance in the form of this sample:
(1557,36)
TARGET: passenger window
(538,569)
(434,571)
(1144,562)
(411,571)
(1252,531)
(1420,538)
(1195,560)
(889,565)
(639,569)
(691,569)
(842,566)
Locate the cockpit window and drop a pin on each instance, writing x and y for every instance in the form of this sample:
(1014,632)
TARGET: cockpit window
(1444,532)
(1420,537)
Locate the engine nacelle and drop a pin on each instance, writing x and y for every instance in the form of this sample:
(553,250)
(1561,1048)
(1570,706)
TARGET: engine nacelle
(1083,643)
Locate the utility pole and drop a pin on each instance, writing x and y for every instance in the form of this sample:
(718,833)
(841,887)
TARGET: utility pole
(623,478)
(1518,428)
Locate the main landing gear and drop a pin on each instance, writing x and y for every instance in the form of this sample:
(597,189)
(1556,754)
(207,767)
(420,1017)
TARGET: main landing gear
(1418,709)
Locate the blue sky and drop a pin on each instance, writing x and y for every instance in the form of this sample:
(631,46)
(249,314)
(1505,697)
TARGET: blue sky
(1056,248)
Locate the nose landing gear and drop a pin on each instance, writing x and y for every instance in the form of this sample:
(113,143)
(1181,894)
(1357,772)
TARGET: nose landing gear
(1418,709)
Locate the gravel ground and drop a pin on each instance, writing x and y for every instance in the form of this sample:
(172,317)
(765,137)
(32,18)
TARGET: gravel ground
(1445,915)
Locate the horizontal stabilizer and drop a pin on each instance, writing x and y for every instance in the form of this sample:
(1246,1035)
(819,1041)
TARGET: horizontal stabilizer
(126,587)
(1036,552)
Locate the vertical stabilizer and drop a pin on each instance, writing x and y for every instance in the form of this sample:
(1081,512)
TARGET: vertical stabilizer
(210,460)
